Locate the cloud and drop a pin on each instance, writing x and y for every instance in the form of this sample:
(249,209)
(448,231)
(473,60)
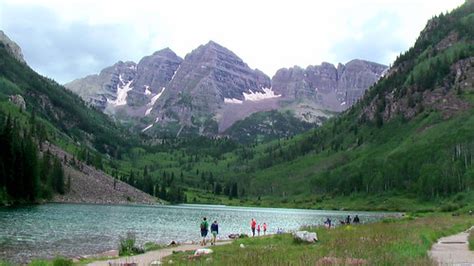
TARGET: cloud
(377,39)
(70,39)
(65,51)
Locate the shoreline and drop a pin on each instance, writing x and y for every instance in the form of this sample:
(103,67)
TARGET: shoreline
(156,255)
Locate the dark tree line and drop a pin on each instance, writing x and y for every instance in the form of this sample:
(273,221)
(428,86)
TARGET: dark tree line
(24,174)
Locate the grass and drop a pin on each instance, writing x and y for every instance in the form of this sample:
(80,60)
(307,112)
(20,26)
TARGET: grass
(390,242)
(471,240)
(59,261)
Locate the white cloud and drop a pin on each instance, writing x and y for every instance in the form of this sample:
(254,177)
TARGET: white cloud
(266,34)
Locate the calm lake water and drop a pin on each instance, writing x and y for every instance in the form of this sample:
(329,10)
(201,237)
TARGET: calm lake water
(48,230)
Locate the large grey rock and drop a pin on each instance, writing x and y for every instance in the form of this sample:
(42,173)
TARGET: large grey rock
(18,100)
(305,236)
(12,47)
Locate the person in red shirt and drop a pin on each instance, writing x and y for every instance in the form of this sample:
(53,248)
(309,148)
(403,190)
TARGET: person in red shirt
(253,224)
(264,228)
(258,229)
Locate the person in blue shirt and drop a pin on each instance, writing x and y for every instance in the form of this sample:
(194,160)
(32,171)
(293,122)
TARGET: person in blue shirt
(214,232)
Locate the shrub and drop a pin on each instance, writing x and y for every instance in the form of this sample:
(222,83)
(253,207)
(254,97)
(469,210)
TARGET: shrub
(127,246)
(449,207)
(60,261)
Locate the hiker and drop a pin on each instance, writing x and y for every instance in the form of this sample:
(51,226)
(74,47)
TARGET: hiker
(356,219)
(204,229)
(348,219)
(253,224)
(258,229)
(214,232)
(264,228)
(328,223)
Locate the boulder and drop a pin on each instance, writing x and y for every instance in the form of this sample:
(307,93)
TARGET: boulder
(305,236)
(202,251)
(19,101)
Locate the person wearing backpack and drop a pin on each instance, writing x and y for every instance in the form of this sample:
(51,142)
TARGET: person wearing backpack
(204,230)
(214,232)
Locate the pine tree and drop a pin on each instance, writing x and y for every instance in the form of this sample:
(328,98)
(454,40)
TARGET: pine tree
(58,177)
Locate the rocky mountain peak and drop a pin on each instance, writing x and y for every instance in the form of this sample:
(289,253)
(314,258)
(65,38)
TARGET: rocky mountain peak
(166,52)
(13,48)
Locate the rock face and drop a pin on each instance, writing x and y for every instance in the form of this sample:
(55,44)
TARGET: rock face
(208,78)
(332,88)
(19,101)
(212,88)
(127,89)
(12,47)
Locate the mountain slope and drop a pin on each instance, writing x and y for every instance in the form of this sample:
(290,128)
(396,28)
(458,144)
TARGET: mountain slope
(62,108)
(411,133)
(34,111)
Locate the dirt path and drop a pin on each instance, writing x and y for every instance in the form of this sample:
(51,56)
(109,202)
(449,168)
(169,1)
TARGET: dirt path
(149,257)
(453,250)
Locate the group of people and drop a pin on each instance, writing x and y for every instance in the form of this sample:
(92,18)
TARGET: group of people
(205,229)
(355,220)
(254,225)
(214,228)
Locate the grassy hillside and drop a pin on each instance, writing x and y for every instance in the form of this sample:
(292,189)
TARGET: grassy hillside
(266,126)
(62,109)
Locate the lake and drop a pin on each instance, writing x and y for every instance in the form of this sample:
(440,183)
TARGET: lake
(45,231)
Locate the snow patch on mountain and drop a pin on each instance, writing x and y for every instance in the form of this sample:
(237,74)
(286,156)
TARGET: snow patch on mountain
(153,101)
(147,90)
(148,127)
(174,74)
(258,96)
(122,92)
(232,101)
(148,111)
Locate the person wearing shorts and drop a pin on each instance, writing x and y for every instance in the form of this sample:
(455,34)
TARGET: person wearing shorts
(204,229)
(214,232)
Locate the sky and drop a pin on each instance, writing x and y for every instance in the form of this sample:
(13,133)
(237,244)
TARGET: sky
(65,40)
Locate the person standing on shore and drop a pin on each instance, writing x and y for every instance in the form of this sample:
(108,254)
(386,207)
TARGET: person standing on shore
(264,228)
(253,224)
(258,229)
(204,230)
(214,232)
(356,219)
(328,223)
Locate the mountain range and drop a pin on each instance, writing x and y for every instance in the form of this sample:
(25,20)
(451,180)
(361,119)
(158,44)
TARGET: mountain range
(212,88)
